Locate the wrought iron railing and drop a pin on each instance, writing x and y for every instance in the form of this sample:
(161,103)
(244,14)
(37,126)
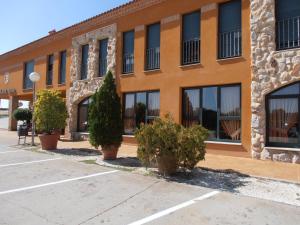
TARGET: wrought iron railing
(128,63)
(152,58)
(102,67)
(230,44)
(191,51)
(288,33)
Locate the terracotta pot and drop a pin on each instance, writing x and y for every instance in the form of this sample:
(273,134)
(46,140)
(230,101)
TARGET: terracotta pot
(49,141)
(109,152)
(167,165)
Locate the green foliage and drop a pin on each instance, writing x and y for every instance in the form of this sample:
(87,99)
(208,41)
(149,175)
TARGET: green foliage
(105,119)
(164,137)
(22,115)
(50,112)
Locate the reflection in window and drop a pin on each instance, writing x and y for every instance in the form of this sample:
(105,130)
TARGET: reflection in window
(283,117)
(216,108)
(28,69)
(140,107)
(83,111)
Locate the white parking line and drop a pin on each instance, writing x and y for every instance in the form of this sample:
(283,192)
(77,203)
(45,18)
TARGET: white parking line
(173,209)
(11,151)
(29,162)
(56,182)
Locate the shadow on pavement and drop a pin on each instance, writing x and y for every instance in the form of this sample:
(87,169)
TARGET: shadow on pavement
(77,151)
(125,161)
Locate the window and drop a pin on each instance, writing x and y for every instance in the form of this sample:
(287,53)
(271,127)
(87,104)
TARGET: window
(283,117)
(217,108)
(153,47)
(103,57)
(191,38)
(62,67)
(28,69)
(230,38)
(49,74)
(287,24)
(83,112)
(140,107)
(84,61)
(128,52)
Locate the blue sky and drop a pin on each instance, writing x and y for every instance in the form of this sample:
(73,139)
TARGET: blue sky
(22,21)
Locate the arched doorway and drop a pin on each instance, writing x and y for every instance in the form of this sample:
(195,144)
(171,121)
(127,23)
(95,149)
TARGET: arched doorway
(83,111)
(283,121)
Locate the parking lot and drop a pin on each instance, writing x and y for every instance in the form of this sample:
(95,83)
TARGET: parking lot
(38,188)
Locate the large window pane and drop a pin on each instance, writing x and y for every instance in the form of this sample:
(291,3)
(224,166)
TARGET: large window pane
(83,111)
(290,90)
(153,106)
(84,61)
(28,69)
(153,47)
(210,110)
(103,56)
(129,115)
(283,122)
(128,51)
(140,108)
(62,67)
(191,107)
(49,75)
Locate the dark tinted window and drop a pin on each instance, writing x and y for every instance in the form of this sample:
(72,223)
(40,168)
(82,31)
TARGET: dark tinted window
(103,56)
(83,112)
(50,64)
(128,52)
(230,16)
(153,47)
(28,69)
(62,67)
(191,26)
(287,9)
(84,61)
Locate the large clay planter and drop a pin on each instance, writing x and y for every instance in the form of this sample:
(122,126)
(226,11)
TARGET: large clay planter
(109,152)
(49,141)
(167,165)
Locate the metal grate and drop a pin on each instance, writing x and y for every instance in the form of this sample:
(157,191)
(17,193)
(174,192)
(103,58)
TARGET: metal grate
(191,51)
(230,44)
(288,33)
(153,58)
(128,62)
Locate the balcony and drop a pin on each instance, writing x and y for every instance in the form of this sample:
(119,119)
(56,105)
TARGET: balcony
(102,67)
(230,44)
(128,63)
(191,51)
(153,58)
(288,33)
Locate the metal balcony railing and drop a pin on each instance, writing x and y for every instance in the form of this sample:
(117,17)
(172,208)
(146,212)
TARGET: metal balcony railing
(128,63)
(153,58)
(191,51)
(102,67)
(230,44)
(288,33)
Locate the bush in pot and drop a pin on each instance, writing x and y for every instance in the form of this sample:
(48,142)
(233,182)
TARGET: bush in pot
(170,145)
(50,114)
(105,119)
(24,115)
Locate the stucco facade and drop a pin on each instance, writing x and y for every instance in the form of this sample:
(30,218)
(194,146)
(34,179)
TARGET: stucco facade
(258,70)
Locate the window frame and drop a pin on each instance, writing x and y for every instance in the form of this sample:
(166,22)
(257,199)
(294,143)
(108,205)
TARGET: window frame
(62,69)
(219,117)
(78,112)
(124,53)
(147,67)
(135,102)
(267,110)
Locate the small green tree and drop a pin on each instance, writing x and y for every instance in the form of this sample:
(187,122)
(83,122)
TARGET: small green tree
(50,112)
(22,115)
(105,119)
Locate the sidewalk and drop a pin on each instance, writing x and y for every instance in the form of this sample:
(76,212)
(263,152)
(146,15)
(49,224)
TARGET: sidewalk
(248,166)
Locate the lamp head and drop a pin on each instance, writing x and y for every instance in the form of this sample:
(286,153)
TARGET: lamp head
(34,77)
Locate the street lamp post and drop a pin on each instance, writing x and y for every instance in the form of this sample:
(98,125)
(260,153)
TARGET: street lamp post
(34,77)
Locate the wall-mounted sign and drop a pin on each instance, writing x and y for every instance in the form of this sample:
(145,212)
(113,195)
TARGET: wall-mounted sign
(8,91)
(6,78)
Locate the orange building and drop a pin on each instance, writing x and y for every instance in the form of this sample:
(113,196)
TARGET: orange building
(213,62)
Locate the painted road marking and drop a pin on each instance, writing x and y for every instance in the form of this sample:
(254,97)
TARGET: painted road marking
(12,151)
(174,208)
(28,162)
(56,182)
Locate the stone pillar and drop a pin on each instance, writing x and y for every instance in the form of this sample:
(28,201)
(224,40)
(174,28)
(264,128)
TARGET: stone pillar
(13,104)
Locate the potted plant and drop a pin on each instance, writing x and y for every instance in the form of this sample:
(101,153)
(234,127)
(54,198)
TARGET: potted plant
(105,119)
(24,115)
(50,114)
(170,145)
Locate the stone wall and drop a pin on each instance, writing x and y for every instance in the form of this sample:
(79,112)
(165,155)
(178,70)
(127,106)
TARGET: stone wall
(81,89)
(271,70)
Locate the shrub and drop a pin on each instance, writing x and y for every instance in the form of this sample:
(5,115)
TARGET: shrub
(105,119)
(50,112)
(166,138)
(22,115)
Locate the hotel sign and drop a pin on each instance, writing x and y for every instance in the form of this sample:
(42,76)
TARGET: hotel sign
(8,91)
